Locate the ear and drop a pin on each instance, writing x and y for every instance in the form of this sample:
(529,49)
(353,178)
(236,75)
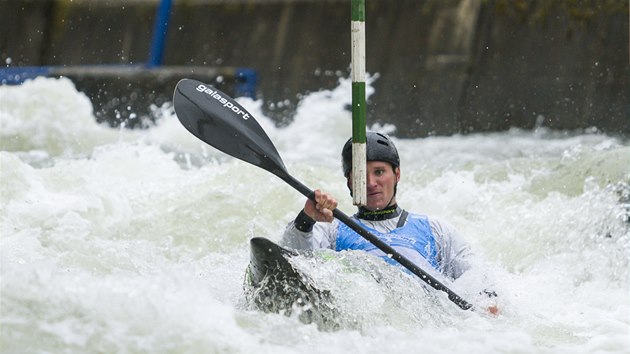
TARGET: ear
(397,172)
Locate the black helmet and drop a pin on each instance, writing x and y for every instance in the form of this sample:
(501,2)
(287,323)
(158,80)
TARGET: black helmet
(379,147)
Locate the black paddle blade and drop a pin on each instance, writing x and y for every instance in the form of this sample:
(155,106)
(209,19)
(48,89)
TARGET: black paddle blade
(217,119)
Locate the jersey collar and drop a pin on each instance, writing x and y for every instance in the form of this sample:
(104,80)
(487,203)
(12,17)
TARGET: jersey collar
(390,212)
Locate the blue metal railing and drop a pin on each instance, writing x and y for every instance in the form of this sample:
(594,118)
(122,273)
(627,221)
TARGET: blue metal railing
(17,75)
(245,79)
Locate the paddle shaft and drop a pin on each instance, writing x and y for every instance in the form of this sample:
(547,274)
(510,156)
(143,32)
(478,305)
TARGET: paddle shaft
(387,249)
(218,120)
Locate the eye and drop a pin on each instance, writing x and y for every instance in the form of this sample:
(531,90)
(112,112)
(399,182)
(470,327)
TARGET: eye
(379,172)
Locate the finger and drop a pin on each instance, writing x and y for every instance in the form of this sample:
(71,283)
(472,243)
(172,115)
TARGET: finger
(318,194)
(327,215)
(493,310)
(331,204)
(327,206)
(322,199)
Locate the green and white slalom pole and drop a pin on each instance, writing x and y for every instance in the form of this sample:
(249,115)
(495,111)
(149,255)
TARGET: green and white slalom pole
(359,170)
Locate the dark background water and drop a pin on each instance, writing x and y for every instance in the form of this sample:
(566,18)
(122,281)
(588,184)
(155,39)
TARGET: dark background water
(443,67)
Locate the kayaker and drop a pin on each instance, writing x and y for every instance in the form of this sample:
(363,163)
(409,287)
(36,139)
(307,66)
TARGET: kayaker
(432,244)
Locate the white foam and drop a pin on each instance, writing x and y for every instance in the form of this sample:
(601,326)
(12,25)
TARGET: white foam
(122,241)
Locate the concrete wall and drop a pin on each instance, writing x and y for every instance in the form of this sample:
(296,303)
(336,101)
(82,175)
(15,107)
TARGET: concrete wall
(445,66)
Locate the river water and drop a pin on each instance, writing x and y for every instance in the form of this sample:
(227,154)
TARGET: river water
(126,241)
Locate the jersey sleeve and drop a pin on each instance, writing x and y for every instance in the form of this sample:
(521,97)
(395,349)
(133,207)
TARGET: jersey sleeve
(454,253)
(322,235)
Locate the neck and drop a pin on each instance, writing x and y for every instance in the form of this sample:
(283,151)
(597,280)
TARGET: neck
(389,212)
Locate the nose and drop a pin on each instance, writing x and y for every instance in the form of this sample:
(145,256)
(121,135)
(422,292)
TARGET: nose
(370,180)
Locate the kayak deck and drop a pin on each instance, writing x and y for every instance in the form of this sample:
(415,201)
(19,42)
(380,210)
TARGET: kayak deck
(272,284)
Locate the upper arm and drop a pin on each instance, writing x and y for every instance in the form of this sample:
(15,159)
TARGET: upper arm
(455,254)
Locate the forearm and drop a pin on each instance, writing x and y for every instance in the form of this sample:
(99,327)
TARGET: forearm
(305,234)
(296,239)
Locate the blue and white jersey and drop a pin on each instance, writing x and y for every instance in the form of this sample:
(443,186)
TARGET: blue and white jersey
(414,241)
(440,247)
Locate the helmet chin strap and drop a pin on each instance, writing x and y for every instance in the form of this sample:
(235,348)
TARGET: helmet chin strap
(395,188)
(393,196)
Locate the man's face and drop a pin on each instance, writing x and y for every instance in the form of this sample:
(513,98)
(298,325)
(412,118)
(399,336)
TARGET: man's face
(381,182)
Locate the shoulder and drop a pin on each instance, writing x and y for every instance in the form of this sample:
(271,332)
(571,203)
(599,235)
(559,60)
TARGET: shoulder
(440,228)
(434,222)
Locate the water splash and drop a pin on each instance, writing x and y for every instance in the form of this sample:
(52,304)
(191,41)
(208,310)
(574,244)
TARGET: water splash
(114,240)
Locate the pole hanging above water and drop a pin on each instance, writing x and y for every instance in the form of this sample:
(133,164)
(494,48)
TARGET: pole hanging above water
(359,170)
(160,30)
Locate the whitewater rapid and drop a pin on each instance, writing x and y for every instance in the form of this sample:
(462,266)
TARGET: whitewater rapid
(117,240)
